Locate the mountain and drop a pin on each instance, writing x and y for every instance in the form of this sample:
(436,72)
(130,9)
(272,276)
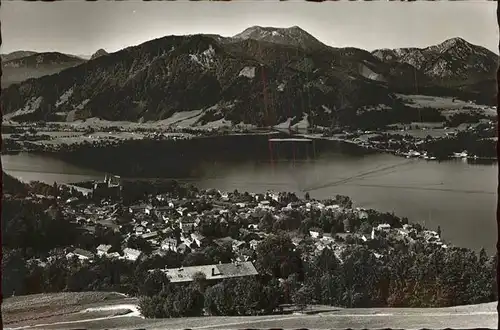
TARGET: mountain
(36,65)
(254,78)
(99,53)
(293,36)
(16,55)
(454,63)
(154,80)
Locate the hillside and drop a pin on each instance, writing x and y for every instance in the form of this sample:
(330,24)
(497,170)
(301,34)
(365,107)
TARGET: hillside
(262,76)
(100,310)
(99,53)
(17,68)
(11,185)
(16,55)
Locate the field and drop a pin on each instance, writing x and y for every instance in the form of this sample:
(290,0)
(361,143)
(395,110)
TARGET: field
(99,310)
(44,308)
(445,103)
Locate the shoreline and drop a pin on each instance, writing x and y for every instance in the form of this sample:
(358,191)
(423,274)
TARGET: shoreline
(107,141)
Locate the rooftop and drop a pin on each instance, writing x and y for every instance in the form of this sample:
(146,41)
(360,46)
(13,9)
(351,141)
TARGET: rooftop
(212,272)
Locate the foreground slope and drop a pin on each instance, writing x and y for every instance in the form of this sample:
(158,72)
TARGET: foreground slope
(99,310)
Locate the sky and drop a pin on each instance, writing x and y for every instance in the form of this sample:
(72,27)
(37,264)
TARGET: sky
(81,28)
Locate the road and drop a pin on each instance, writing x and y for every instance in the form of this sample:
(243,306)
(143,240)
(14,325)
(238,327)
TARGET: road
(480,316)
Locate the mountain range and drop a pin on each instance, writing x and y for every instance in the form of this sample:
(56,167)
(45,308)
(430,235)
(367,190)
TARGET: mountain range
(23,65)
(261,76)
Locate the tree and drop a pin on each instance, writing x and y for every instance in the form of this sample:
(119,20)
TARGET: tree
(439,231)
(139,243)
(276,256)
(266,222)
(365,228)
(303,297)
(200,281)
(196,259)
(154,282)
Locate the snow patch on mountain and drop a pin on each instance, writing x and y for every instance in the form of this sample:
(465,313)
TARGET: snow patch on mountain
(248,72)
(64,97)
(205,58)
(82,105)
(368,73)
(30,106)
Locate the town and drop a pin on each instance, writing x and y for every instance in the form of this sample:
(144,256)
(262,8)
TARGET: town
(164,235)
(430,141)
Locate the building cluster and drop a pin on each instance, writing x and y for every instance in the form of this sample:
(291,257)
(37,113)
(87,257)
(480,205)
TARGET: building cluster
(177,225)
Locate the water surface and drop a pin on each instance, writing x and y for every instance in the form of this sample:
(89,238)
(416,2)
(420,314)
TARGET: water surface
(459,197)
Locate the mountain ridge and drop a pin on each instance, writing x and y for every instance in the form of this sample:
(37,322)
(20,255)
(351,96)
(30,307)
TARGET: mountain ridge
(240,79)
(20,68)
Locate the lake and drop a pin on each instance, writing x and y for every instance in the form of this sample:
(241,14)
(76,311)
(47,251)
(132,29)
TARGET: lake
(459,197)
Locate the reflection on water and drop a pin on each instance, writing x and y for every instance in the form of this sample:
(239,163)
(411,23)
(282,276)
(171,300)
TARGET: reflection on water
(459,197)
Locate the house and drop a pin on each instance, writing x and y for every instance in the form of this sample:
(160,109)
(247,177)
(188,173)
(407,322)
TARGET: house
(199,239)
(186,239)
(113,255)
(103,249)
(169,244)
(384,226)
(183,248)
(314,233)
(151,235)
(136,208)
(237,245)
(181,210)
(253,226)
(187,227)
(148,209)
(319,247)
(212,272)
(139,230)
(253,244)
(162,211)
(81,254)
(131,254)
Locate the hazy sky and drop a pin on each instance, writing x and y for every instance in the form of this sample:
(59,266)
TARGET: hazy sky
(83,27)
